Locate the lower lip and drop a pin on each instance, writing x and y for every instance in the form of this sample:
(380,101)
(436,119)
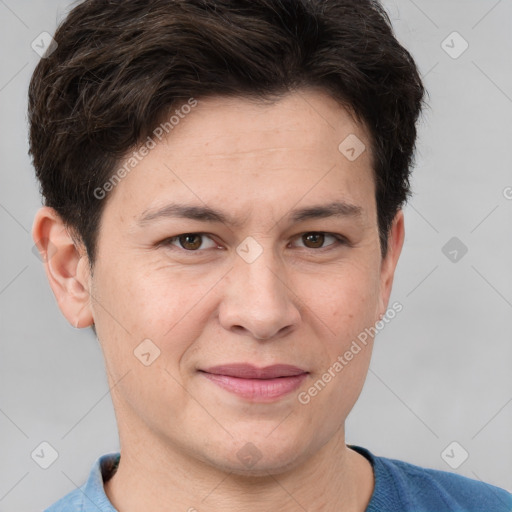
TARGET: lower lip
(259,390)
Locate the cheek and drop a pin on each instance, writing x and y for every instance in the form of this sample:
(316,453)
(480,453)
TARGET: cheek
(346,301)
(168,308)
(147,300)
(347,310)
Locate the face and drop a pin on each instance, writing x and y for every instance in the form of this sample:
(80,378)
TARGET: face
(266,279)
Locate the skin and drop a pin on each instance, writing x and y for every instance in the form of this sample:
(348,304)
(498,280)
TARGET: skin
(296,304)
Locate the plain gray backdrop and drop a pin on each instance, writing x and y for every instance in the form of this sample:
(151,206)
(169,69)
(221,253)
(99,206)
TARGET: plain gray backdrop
(441,370)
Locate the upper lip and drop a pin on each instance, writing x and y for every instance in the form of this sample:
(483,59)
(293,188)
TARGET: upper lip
(249,371)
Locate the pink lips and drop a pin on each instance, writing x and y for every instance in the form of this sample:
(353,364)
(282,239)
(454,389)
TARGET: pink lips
(257,384)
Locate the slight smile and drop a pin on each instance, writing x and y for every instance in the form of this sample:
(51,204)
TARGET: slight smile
(257,384)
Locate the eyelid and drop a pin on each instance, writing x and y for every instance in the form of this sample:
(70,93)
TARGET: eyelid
(168,241)
(340,241)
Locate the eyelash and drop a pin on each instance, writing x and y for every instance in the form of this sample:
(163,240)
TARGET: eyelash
(339,241)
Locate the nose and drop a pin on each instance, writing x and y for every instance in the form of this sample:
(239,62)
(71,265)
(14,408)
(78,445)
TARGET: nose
(257,299)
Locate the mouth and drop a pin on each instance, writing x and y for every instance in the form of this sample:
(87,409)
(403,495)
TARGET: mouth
(256,384)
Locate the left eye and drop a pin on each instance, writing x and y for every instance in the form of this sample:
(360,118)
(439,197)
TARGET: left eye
(192,242)
(317,238)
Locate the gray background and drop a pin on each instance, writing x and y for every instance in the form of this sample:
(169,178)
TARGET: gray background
(441,369)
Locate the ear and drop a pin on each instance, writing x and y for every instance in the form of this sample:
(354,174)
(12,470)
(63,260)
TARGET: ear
(396,238)
(66,265)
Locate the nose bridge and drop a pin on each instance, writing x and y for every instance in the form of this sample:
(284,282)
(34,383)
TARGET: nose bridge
(259,269)
(262,276)
(258,298)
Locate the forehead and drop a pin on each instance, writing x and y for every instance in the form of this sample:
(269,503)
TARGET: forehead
(229,126)
(238,153)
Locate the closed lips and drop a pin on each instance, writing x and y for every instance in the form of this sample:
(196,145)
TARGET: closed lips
(248,371)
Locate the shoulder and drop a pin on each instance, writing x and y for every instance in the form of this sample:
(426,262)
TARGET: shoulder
(90,497)
(71,502)
(448,489)
(414,488)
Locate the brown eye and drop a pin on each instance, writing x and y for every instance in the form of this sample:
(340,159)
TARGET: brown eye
(313,240)
(190,241)
(317,239)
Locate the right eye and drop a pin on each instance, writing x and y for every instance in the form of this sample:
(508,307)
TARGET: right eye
(190,242)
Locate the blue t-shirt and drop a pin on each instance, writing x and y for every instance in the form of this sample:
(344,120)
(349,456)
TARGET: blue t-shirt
(399,487)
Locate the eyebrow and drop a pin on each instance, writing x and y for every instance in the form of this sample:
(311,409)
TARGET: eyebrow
(208,214)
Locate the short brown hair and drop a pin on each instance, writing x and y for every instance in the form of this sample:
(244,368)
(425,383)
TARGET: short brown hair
(121,66)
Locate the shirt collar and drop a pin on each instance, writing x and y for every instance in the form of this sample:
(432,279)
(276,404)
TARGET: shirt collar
(94,498)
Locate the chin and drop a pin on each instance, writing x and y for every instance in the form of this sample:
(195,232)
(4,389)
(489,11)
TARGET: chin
(258,457)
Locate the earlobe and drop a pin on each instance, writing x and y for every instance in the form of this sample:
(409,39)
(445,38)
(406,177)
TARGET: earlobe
(66,266)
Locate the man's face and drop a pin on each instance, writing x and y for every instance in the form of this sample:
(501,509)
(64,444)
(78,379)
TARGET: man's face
(269,289)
